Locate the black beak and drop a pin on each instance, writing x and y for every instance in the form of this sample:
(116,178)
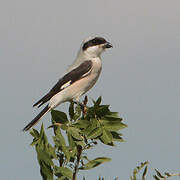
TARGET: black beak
(108,45)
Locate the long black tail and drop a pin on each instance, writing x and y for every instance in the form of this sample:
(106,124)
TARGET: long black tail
(37,118)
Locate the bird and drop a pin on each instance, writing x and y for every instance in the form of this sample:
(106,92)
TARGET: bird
(78,78)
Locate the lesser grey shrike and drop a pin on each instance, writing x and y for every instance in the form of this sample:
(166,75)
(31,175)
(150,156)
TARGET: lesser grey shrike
(78,79)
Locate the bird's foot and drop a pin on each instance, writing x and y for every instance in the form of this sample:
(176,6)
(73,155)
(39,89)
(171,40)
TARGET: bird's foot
(83,105)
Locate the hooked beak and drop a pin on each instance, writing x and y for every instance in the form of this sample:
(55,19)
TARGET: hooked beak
(108,45)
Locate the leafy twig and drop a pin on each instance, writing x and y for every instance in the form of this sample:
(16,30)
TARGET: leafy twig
(79,152)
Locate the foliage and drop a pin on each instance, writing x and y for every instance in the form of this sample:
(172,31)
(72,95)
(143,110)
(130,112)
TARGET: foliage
(158,176)
(73,136)
(138,169)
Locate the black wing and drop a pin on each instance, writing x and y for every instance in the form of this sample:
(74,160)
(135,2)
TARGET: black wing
(68,79)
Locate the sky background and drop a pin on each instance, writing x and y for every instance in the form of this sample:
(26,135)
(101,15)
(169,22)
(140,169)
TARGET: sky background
(140,77)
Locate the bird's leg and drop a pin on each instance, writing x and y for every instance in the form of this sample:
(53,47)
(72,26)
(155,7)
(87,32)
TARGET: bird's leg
(85,100)
(82,105)
(85,107)
(79,103)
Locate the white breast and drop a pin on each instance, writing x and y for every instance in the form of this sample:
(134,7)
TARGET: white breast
(89,81)
(80,87)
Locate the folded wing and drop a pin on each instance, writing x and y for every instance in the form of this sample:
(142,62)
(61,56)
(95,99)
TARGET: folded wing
(81,71)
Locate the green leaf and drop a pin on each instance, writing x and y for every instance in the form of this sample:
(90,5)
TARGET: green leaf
(71,110)
(169,175)
(93,163)
(80,143)
(137,169)
(90,113)
(64,127)
(106,137)
(113,115)
(42,136)
(59,117)
(51,151)
(113,125)
(63,171)
(102,110)
(34,133)
(73,153)
(75,133)
(144,173)
(59,139)
(70,140)
(117,136)
(93,125)
(46,171)
(98,102)
(77,113)
(41,130)
(85,157)
(43,156)
(66,152)
(110,118)
(159,174)
(82,123)
(62,178)
(35,141)
(61,144)
(56,125)
(95,133)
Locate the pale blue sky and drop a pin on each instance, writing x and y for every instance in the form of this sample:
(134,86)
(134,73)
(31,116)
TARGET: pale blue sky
(140,77)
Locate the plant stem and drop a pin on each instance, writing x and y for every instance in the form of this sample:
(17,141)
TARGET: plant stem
(61,160)
(79,152)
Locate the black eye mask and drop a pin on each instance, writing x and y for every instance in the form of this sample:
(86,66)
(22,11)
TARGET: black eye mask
(94,42)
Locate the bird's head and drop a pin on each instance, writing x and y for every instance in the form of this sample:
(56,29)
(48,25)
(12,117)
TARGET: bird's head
(94,46)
